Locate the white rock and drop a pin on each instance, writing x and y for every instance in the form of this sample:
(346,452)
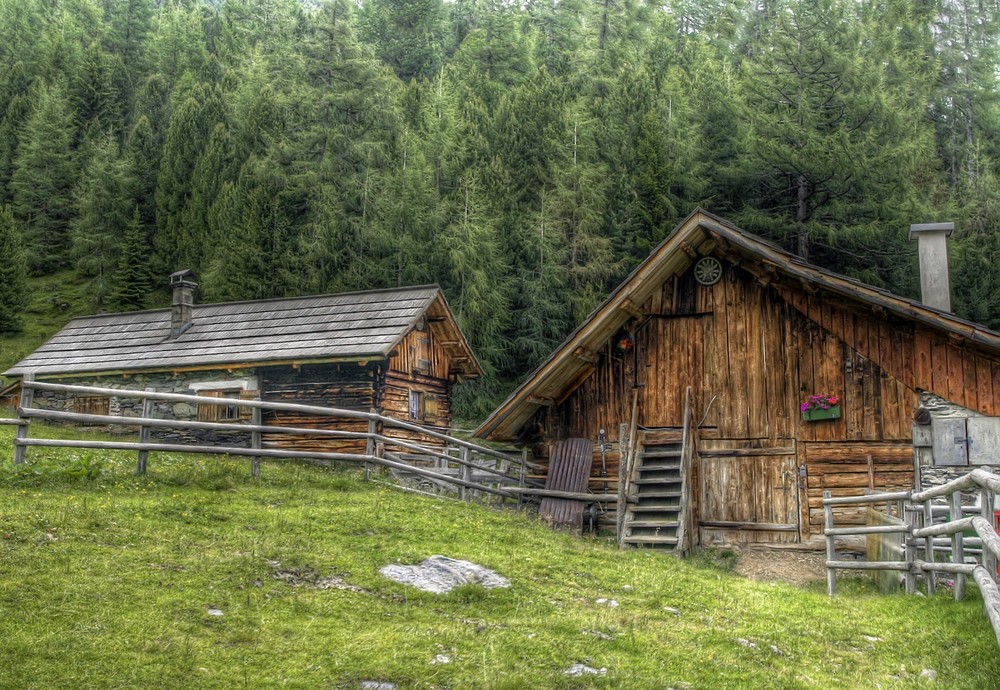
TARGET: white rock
(672,610)
(214,612)
(377,685)
(441,659)
(929,674)
(746,643)
(440,574)
(584,670)
(607,602)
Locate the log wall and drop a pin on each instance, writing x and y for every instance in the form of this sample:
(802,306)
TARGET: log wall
(347,386)
(420,365)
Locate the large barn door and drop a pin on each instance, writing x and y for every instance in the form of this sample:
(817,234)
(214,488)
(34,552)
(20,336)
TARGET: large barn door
(748,498)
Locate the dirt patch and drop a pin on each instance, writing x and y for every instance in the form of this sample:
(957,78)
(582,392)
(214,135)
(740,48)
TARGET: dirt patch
(770,565)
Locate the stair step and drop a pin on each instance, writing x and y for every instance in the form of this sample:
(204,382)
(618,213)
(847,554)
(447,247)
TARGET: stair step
(654,524)
(656,480)
(661,453)
(665,472)
(665,493)
(665,541)
(660,463)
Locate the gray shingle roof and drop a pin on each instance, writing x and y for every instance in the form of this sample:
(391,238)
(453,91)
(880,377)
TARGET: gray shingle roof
(347,325)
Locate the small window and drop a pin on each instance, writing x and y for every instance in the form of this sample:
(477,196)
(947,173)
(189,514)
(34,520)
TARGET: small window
(416,405)
(92,405)
(207,412)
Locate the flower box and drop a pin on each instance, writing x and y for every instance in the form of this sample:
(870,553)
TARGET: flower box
(818,414)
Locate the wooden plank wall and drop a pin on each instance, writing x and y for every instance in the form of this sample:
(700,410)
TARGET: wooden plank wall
(912,353)
(419,364)
(346,386)
(751,356)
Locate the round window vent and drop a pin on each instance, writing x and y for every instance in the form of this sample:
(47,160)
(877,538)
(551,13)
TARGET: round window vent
(708,270)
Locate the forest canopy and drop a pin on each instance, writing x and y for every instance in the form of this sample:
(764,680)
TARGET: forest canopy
(523,155)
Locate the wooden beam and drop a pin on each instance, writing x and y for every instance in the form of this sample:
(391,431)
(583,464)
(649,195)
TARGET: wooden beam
(631,308)
(585,354)
(539,400)
(689,250)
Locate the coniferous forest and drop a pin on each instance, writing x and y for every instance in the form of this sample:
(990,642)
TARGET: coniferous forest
(523,155)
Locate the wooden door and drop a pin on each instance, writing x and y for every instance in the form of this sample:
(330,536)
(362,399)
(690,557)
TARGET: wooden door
(748,498)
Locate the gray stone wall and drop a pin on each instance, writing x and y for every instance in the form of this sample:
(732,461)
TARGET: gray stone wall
(923,441)
(130,406)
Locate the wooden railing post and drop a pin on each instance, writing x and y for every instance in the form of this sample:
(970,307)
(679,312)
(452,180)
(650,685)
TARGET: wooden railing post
(522,476)
(466,471)
(831,547)
(929,548)
(256,440)
(27,398)
(986,510)
(909,548)
(957,545)
(370,447)
(624,444)
(147,413)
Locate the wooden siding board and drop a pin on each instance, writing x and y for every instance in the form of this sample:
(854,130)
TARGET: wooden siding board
(970,384)
(955,388)
(984,381)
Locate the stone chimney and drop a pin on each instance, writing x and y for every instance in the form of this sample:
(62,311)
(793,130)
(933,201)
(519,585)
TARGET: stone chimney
(932,246)
(183,285)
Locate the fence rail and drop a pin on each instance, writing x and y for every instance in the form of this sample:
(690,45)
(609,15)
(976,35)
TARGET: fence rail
(920,530)
(425,453)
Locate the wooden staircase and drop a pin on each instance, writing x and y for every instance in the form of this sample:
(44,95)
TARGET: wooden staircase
(657,489)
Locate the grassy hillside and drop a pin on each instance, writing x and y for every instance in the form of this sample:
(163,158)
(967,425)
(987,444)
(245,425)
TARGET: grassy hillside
(54,300)
(113,581)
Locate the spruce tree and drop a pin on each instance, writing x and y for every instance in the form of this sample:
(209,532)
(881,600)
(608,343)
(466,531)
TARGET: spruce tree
(43,179)
(131,284)
(103,212)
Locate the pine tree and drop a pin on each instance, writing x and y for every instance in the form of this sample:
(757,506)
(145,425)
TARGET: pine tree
(408,35)
(43,179)
(835,143)
(103,213)
(13,273)
(131,284)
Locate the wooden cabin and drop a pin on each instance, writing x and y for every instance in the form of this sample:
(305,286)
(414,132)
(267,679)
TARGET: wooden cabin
(754,332)
(398,352)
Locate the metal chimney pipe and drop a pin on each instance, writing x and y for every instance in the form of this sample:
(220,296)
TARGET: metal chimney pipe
(932,248)
(182,283)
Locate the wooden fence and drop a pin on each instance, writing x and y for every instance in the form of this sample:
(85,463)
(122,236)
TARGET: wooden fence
(436,457)
(922,533)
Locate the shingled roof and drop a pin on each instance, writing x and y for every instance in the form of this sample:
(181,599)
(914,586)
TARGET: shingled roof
(700,234)
(340,327)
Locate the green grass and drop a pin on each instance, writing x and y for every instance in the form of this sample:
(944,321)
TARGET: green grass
(53,301)
(107,582)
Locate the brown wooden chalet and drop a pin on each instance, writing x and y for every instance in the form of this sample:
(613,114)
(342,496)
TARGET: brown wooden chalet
(397,352)
(754,332)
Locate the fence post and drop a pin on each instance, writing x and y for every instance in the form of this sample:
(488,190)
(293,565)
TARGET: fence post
(986,510)
(831,547)
(147,413)
(256,419)
(463,492)
(522,478)
(957,545)
(370,447)
(909,548)
(27,398)
(929,548)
